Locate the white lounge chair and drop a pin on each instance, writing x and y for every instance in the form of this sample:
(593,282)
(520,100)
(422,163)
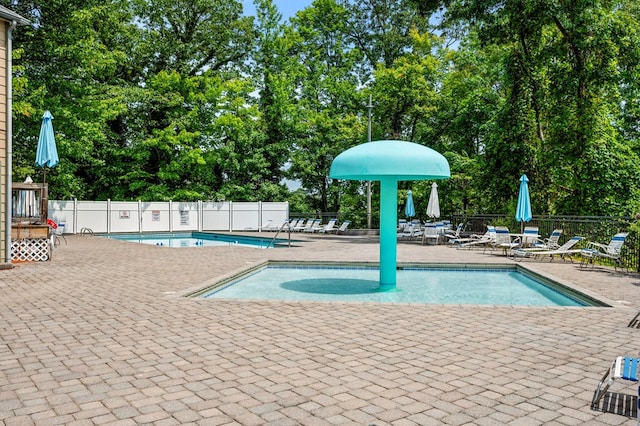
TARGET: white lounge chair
(564,250)
(550,243)
(453,235)
(309,227)
(611,251)
(503,240)
(329,227)
(430,233)
(411,230)
(478,241)
(343,227)
(302,225)
(292,224)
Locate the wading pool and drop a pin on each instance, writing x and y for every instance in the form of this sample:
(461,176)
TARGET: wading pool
(478,284)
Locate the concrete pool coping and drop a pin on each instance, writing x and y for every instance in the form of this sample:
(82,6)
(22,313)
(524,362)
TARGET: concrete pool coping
(96,336)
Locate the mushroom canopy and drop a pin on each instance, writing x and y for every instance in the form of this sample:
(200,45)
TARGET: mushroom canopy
(390,159)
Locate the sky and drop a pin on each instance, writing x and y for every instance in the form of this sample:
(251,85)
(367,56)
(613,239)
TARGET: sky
(287,8)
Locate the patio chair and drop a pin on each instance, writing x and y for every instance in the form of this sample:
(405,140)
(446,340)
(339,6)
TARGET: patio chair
(56,232)
(343,227)
(564,250)
(302,224)
(430,233)
(328,227)
(625,368)
(411,230)
(454,235)
(314,226)
(550,243)
(292,224)
(477,241)
(611,251)
(503,240)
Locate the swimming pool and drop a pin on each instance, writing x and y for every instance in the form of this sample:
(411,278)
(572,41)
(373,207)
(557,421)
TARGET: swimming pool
(479,285)
(197,239)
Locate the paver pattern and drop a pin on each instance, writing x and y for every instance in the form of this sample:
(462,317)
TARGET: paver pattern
(100,336)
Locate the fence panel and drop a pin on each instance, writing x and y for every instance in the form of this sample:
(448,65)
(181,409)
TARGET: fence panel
(136,216)
(156,217)
(124,216)
(216,216)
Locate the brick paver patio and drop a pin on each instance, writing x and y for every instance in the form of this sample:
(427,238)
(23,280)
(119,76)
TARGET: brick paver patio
(100,336)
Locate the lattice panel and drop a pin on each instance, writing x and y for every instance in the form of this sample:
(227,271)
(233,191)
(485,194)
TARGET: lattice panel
(30,249)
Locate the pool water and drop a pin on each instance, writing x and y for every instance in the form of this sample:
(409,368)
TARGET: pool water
(196,239)
(414,285)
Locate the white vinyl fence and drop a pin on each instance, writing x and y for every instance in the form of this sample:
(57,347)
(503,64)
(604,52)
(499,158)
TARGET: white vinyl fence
(159,216)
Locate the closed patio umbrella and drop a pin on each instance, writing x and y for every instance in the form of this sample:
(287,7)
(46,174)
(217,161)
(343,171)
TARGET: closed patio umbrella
(46,153)
(523,210)
(433,208)
(409,208)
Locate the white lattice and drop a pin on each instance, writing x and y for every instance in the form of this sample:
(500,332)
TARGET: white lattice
(30,249)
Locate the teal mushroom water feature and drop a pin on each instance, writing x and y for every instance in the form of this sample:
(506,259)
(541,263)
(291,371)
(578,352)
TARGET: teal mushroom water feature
(389,161)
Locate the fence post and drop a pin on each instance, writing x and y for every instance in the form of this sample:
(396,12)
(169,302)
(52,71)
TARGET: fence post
(139,216)
(170,215)
(108,215)
(75,215)
(230,216)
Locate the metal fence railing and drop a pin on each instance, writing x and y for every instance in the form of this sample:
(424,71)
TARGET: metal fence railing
(591,228)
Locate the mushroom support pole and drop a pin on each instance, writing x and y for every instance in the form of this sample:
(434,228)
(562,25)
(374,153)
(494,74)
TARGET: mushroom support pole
(388,234)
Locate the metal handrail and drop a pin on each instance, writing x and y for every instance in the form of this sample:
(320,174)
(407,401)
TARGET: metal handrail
(278,233)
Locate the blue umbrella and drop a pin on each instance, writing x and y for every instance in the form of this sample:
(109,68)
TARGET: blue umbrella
(46,154)
(523,211)
(409,208)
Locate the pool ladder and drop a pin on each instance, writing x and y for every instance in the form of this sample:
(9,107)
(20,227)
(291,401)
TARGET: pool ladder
(271,244)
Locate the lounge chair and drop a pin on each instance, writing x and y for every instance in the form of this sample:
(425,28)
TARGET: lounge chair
(430,233)
(271,226)
(625,368)
(292,224)
(550,243)
(343,227)
(454,235)
(411,230)
(528,238)
(315,225)
(610,251)
(478,241)
(503,240)
(564,250)
(302,225)
(328,227)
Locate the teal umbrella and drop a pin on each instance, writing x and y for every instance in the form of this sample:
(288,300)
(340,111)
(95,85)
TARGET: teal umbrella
(46,154)
(523,211)
(409,208)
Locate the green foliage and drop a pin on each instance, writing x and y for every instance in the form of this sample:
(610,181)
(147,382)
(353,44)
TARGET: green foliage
(189,100)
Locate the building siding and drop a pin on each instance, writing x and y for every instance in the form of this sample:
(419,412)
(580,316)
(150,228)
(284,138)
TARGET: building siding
(3,138)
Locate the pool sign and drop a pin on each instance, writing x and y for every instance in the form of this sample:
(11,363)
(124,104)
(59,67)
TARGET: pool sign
(124,214)
(155,215)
